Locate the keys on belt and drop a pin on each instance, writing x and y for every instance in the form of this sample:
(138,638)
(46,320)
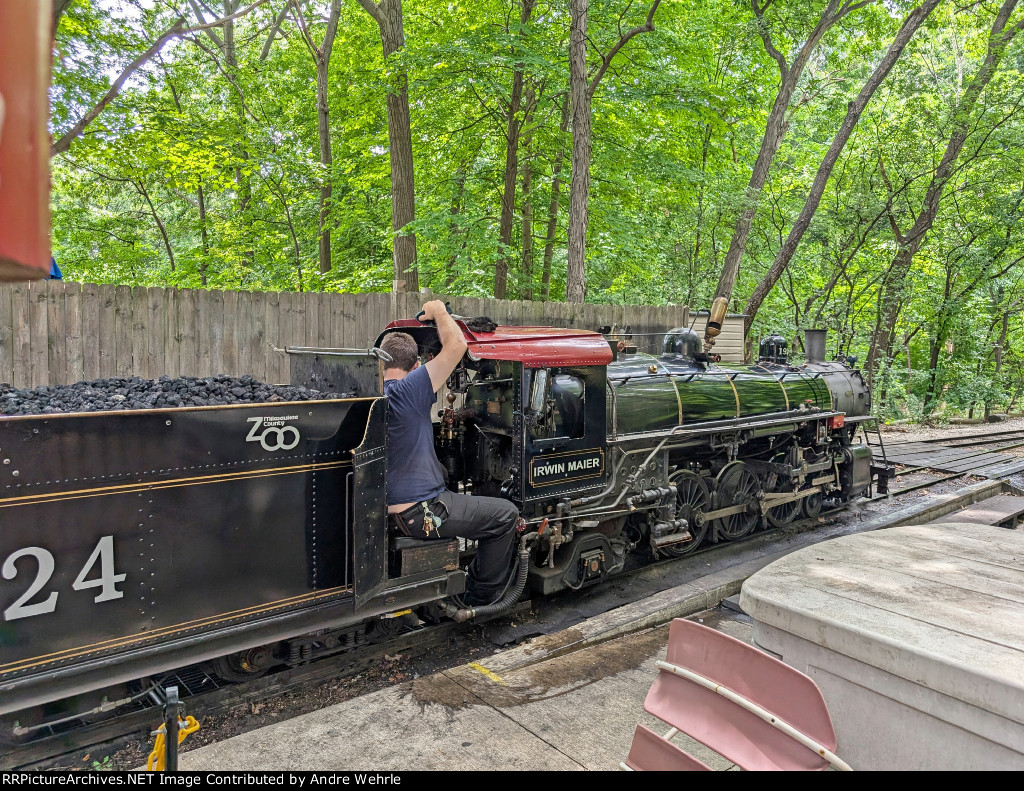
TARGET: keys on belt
(430,521)
(410,516)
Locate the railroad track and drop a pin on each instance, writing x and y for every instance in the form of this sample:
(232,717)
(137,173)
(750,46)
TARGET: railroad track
(980,454)
(205,694)
(962,440)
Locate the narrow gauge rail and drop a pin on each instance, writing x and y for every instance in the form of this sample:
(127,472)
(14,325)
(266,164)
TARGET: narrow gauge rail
(963,440)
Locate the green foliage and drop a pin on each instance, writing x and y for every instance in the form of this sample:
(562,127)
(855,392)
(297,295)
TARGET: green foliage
(205,170)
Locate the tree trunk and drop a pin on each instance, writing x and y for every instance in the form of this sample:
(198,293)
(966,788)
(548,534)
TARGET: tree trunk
(882,339)
(204,234)
(997,352)
(141,187)
(508,194)
(579,189)
(556,184)
(388,14)
(526,291)
(326,159)
(581,92)
(774,129)
(57,10)
(856,108)
(322,59)
(935,346)
(240,147)
(231,66)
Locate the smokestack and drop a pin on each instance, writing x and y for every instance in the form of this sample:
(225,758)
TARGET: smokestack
(814,345)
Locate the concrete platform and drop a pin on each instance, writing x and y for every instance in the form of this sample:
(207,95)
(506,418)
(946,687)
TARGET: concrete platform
(915,636)
(516,710)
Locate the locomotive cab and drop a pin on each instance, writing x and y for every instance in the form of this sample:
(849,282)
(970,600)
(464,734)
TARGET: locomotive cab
(523,417)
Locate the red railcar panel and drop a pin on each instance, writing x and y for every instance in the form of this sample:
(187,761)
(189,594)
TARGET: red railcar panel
(24,140)
(535,347)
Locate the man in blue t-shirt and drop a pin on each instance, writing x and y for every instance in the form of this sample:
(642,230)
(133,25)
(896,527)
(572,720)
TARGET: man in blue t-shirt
(419,504)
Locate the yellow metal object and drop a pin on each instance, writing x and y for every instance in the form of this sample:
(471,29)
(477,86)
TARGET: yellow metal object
(157,758)
(718,310)
(736,395)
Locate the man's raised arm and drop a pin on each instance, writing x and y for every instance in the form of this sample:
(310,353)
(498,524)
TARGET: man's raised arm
(453,343)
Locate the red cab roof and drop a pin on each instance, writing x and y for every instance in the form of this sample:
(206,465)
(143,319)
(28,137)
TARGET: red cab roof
(535,347)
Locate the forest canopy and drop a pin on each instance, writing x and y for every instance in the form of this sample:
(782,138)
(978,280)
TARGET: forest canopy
(853,165)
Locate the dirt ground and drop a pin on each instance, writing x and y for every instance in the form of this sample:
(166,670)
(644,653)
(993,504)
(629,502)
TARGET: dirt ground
(474,645)
(305,698)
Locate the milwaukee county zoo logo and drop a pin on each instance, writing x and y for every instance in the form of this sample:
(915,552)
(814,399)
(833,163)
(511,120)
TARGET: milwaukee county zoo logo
(273,433)
(557,468)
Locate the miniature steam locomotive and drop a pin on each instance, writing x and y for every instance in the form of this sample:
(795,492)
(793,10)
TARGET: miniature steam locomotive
(255,536)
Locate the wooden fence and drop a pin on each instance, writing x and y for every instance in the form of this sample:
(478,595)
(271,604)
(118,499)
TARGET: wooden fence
(58,332)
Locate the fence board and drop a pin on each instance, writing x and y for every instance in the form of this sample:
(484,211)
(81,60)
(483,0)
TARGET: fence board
(172,335)
(335,319)
(212,324)
(7,327)
(39,332)
(54,331)
(56,349)
(188,326)
(297,320)
(276,364)
(140,330)
(156,332)
(312,331)
(378,315)
(203,335)
(243,334)
(256,344)
(21,301)
(229,352)
(89,311)
(324,337)
(123,361)
(74,349)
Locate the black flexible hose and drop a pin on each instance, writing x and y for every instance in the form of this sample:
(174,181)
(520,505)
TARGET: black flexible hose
(512,594)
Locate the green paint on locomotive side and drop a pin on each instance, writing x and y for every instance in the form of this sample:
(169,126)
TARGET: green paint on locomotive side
(645,401)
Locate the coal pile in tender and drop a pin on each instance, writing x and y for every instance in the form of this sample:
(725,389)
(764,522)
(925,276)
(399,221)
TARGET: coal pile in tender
(137,393)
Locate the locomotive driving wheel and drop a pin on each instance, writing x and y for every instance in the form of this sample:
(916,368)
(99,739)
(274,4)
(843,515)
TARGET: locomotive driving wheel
(812,505)
(781,515)
(736,485)
(692,500)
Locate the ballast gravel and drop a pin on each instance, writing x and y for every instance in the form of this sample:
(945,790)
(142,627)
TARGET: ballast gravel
(136,393)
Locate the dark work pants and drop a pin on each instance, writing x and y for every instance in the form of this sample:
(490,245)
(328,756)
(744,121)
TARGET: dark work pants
(491,522)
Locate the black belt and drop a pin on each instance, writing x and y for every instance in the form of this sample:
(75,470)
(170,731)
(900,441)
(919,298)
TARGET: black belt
(412,510)
(410,521)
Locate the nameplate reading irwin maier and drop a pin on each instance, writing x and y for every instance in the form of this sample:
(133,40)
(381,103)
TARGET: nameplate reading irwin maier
(551,469)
